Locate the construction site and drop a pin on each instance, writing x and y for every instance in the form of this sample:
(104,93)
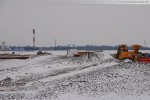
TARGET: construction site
(120,74)
(74,50)
(63,75)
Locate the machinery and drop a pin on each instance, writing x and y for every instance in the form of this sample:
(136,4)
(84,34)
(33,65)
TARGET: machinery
(124,53)
(135,55)
(76,53)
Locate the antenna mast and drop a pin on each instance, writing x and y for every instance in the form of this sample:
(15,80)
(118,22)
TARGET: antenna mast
(33,37)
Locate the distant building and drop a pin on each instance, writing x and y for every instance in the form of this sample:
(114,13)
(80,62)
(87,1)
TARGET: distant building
(3,47)
(72,52)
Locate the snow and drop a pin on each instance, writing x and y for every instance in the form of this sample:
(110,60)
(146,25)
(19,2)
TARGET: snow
(58,77)
(111,96)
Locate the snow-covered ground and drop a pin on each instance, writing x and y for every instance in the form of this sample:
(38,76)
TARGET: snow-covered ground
(56,77)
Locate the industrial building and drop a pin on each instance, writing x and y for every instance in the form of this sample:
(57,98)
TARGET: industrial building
(4,47)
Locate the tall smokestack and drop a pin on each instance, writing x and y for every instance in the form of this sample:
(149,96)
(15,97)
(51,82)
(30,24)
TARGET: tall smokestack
(33,37)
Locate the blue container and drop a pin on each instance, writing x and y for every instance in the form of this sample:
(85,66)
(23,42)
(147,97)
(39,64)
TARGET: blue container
(147,55)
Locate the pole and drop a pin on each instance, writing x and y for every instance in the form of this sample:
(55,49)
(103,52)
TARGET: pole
(33,37)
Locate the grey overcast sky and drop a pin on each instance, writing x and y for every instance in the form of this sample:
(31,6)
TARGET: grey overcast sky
(68,23)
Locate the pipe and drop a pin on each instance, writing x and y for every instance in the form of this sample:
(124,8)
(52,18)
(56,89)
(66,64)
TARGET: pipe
(136,48)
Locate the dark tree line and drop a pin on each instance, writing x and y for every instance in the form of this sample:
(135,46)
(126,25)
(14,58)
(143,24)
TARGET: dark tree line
(87,47)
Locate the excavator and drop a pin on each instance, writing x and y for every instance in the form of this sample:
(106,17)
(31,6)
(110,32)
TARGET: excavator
(123,53)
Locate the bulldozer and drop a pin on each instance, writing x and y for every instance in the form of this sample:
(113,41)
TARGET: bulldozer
(124,53)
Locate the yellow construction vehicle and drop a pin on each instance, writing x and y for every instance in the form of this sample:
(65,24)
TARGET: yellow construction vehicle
(123,52)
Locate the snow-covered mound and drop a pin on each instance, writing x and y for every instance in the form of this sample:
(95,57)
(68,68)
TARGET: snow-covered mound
(94,57)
